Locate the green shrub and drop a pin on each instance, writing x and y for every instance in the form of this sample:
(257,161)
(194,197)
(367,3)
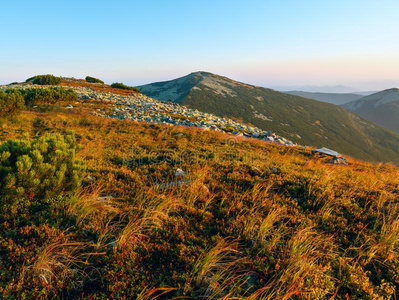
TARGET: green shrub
(50,95)
(11,102)
(94,80)
(45,80)
(43,167)
(118,85)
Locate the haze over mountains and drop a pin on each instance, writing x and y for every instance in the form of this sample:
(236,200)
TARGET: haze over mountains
(331,89)
(381,107)
(334,98)
(304,121)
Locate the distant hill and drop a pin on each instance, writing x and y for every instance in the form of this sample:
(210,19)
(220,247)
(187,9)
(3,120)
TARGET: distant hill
(304,121)
(381,108)
(333,98)
(335,89)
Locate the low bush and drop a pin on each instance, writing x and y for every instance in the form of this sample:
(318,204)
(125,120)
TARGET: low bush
(94,80)
(45,80)
(50,95)
(38,168)
(118,85)
(11,102)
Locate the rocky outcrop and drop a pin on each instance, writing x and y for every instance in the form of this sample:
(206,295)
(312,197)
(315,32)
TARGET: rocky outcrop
(140,108)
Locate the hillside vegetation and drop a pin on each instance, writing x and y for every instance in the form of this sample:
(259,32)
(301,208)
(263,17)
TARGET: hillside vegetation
(93,80)
(119,85)
(91,209)
(13,101)
(45,79)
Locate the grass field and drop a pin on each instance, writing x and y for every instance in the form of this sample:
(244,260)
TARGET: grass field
(250,220)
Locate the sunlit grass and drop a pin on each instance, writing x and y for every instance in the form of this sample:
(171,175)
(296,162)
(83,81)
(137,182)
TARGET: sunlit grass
(281,225)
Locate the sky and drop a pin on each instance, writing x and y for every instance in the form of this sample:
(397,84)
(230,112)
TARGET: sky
(267,43)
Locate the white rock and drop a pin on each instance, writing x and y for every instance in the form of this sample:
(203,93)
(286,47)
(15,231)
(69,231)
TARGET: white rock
(180,172)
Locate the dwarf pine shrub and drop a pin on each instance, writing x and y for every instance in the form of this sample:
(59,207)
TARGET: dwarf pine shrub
(49,95)
(118,85)
(94,80)
(11,102)
(45,80)
(43,167)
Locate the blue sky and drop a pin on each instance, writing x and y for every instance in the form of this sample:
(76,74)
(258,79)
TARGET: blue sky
(267,43)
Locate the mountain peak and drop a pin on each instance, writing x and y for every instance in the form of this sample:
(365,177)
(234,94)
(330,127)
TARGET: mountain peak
(201,73)
(177,89)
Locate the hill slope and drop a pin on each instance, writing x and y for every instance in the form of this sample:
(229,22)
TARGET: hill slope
(280,225)
(333,98)
(381,108)
(302,120)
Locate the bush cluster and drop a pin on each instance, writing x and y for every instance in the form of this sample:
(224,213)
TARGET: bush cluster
(40,168)
(45,80)
(94,80)
(11,102)
(118,85)
(50,95)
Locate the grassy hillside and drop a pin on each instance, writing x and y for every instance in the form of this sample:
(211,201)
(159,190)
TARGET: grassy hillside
(381,108)
(304,121)
(386,115)
(250,220)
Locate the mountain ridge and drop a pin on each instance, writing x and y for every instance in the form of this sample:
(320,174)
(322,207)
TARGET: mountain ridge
(304,121)
(381,108)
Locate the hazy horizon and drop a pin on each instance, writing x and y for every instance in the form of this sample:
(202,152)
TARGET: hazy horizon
(265,43)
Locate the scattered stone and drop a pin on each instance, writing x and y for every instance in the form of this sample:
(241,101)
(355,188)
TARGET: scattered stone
(337,158)
(269,139)
(140,108)
(339,161)
(326,151)
(180,172)
(105,198)
(204,189)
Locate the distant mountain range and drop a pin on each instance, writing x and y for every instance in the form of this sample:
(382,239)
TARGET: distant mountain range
(328,89)
(333,98)
(335,89)
(381,108)
(304,121)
